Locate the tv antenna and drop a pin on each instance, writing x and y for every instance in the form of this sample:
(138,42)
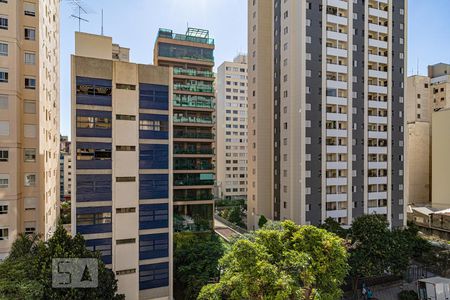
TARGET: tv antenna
(79,9)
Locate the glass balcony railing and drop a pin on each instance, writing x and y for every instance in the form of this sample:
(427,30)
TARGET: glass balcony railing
(198,102)
(193,88)
(192,72)
(196,197)
(193,166)
(192,151)
(192,35)
(189,182)
(199,120)
(193,135)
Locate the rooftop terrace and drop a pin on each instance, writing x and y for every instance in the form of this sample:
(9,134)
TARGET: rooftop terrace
(192,35)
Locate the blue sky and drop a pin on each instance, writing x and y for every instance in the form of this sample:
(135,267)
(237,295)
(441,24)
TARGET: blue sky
(134,24)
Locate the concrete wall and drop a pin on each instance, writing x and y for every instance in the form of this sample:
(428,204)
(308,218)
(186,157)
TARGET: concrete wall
(440,163)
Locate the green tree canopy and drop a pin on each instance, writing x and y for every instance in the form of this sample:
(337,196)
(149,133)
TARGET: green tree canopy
(284,261)
(262,221)
(27,272)
(196,258)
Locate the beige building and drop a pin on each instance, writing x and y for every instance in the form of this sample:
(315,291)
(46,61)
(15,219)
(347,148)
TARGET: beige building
(29,119)
(440,164)
(122,162)
(231,139)
(326,123)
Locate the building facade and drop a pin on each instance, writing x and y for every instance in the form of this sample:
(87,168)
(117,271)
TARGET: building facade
(65,180)
(326,110)
(440,198)
(29,119)
(191,57)
(121,190)
(232,141)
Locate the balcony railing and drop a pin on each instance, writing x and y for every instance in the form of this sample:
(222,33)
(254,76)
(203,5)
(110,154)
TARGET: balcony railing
(199,120)
(193,88)
(192,72)
(192,197)
(192,166)
(192,151)
(193,135)
(203,39)
(189,182)
(193,102)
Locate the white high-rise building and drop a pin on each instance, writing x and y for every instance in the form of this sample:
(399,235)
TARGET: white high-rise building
(231,140)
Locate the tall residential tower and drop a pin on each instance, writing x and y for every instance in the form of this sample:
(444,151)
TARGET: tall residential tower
(192,59)
(29,119)
(326,110)
(121,158)
(232,128)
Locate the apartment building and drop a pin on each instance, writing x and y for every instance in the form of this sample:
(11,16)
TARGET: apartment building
(65,179)
(440,163)
(122,161)
(191,57)
(419,107)
(326,110)
(29,119)
(232,128)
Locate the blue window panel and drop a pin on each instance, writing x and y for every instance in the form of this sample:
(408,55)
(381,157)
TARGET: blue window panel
(104,246)
(153,276)
(94,164)
(153,186)
(91,214)
(153,246)
(152,96)
(96,187)
(153,216)
(94,132)
(94,85)
(153,156)
(163,134)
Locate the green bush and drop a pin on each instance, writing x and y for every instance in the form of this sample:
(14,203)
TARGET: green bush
(408,295)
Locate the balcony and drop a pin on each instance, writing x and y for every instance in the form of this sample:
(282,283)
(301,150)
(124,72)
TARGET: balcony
(378,43)
(377,180)
(336,149)
(192,35)
(337,19)
(377,104)
(193,182)
(378,13)
(378,89)
(377,150)
(378,58)
(378,28)
(193,101)
(341,213)
(337,52)
(337,84)
(192,165)
(336,133)
(193,135)
(187,151)
(196,88)
(337,165)
(193,72)
(193,197)
(336,197)
(337,36)
(338,3)
(193,119)
(337,100)
(378,74)
(337,181)
(336,117)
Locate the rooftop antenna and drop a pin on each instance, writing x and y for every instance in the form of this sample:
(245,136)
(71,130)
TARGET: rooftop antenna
(102,21)
(417,66)
(79,10)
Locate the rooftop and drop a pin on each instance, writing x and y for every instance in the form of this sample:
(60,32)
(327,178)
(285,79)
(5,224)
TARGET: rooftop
(195,35)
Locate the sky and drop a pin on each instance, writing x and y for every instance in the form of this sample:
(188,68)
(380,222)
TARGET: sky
(135,23)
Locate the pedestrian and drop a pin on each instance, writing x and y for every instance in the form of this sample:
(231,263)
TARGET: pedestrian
(369,294)
(364,291)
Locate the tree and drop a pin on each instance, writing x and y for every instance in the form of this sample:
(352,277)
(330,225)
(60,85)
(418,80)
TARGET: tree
(235,216)
(196,258)
(333,226)
(27,272)
(262,221)
(284,261)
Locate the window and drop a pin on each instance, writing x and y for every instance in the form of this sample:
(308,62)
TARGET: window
(3,49)
(94,218)
(3,75)
(29,155)
(29,9)
(4,155)
(125,148)
(125,210)
(124,272)
(153,125)
(4,22)
(4,102)
(126,87)
(30,58)
(85,153)
(125,179)
(29,131)
(3,209)
(126,117)
(4,181)
(93,122)
(29,106)
(30,83)
(3,234)
(4,128)
(30,179)
(126,241)
(30,34)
